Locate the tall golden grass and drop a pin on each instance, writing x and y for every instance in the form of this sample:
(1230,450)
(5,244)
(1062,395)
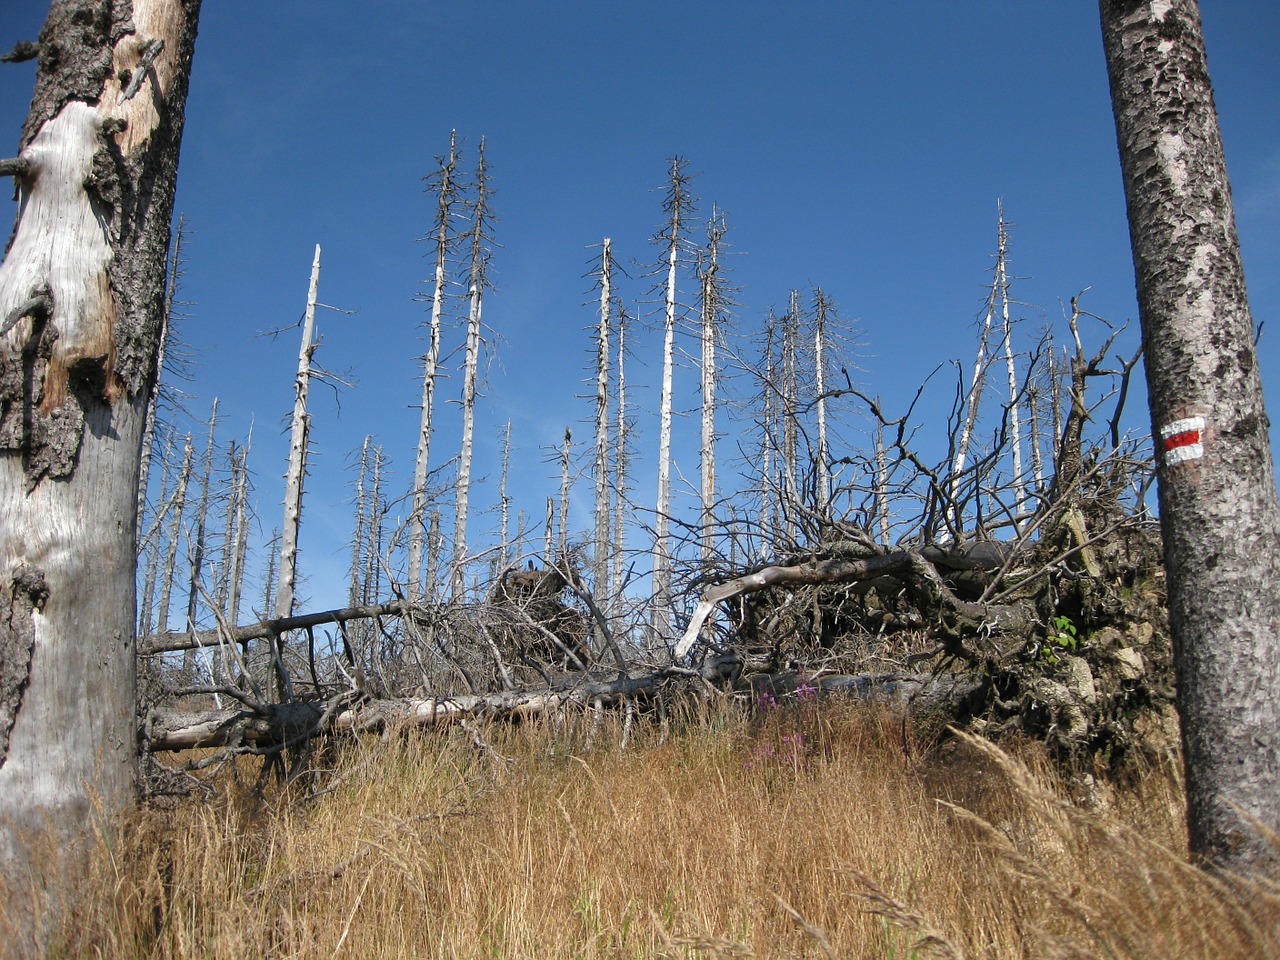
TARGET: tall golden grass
(812,830)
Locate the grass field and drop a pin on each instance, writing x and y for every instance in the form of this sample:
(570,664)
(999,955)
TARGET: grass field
(807,830)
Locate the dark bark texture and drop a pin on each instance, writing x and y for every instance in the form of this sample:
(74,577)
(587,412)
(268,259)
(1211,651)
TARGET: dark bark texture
(1218,503)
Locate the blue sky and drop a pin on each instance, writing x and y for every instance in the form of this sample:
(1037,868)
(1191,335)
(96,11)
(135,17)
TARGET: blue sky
(860,148)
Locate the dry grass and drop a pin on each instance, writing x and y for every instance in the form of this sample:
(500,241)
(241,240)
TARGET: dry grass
(808,833)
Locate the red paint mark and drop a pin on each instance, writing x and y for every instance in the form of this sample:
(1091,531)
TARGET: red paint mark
(1183,439)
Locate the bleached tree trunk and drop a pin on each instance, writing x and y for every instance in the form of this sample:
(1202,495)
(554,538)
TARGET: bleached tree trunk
(1011,367)
(1034,404)
(81,297)
(1055,408)
(548,531)
(435,545)
(789,389)
(372,585)
(504,501)
(202,525)
(621,464)
(600,537)
(711,309)
(355,595)
(565,451)
(178,509)
(222,573)
(471,368)
(240,493)
(1218,505)
(298,441)
(768,441)
(444,185)
(269,581)
(150,552)
(821,311)
(678,205)
(881,496)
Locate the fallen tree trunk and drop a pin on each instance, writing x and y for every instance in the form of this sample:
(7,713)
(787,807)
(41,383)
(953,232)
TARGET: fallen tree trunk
(268,725)
(173,641)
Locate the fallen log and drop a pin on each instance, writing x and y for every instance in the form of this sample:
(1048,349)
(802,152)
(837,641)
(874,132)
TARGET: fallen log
(174,640)
(276,724)
(169,730)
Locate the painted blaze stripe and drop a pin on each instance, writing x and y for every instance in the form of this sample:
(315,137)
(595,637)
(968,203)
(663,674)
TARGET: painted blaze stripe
(1182,440)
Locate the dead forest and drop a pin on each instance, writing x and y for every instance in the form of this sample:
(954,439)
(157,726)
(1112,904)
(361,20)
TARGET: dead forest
(993,566)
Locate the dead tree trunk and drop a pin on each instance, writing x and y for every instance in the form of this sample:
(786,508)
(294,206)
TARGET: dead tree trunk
(1011,367)
(240,538)
(822,308)
(621,466)
(81,297)
(149,547)
(445,187)
(166,330)
(298,439)
(600,535)
(1218,505)
(178,508)
(678,205)
(195,571)
(471,370)
(711,308)
(790,410)
(562,543)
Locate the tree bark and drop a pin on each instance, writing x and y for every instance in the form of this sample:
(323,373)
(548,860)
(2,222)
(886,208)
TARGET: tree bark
(84,274)
(1218,505)
(445,187)
(600,535)
(678,205)
(299,437)
(471,369)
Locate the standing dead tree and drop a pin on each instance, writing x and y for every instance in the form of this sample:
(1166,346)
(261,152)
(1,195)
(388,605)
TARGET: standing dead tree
(298,442)
(600,546)
(478,281)
(444,239)
(679,205)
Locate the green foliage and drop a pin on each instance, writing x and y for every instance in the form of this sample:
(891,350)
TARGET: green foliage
(1062,638)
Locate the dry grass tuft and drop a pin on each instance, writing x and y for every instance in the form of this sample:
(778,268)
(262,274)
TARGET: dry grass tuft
(809,831)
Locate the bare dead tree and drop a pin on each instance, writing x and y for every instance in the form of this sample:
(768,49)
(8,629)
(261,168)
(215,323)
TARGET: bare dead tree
(479,239)
(298,443)
(443,184)
(678,204)
(600,549)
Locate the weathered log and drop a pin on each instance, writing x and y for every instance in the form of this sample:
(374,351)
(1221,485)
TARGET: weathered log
(173,641)
(276,724)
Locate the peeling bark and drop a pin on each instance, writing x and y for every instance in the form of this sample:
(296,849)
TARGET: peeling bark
(95,189)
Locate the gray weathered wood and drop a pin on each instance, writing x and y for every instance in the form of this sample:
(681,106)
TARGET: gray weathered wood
(92,229)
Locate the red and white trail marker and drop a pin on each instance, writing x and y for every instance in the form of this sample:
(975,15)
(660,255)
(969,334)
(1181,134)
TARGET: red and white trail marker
(1182,440)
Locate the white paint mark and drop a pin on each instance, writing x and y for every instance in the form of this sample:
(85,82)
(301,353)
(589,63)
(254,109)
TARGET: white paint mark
(1182,440)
